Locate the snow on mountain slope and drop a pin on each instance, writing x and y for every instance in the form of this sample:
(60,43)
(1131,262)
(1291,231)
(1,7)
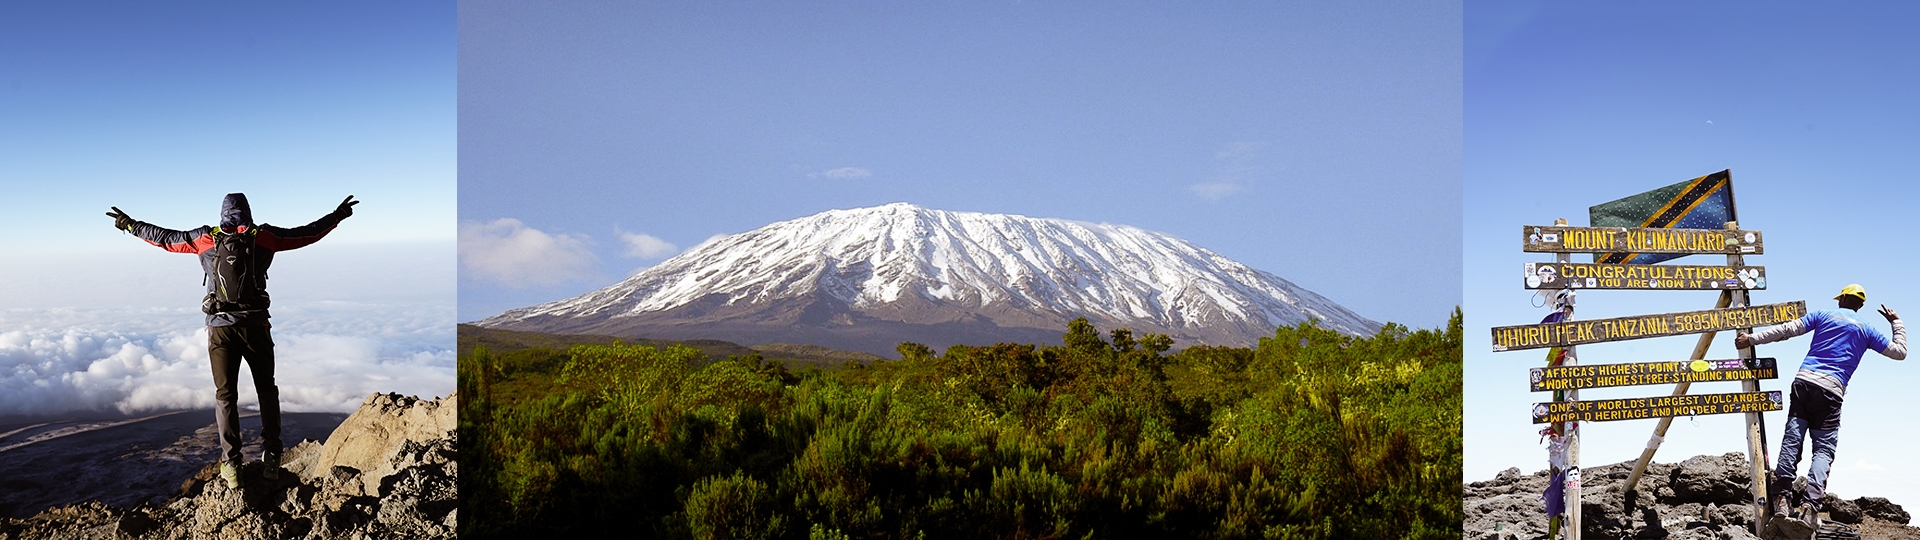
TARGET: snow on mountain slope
(907,264)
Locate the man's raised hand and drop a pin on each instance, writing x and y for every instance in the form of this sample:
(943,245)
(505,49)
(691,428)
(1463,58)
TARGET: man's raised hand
(346,208)
(120,219)
(1888,313)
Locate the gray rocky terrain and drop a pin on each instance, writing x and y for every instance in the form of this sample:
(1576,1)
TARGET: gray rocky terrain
(1703,497)
(387,471)
(123,462)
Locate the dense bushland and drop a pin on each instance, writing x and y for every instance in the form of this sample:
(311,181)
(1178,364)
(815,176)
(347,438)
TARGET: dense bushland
(1311,434)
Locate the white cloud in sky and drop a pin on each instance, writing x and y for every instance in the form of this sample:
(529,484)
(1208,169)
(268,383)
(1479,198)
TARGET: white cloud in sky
(328,357)
(507,252)
(646,246)
(1235,166)
(843,173)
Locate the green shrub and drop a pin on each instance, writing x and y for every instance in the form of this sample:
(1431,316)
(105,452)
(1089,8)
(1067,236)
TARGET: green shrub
(1309,434)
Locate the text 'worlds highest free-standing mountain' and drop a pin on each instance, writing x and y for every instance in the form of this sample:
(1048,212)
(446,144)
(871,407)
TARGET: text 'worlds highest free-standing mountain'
(869,278)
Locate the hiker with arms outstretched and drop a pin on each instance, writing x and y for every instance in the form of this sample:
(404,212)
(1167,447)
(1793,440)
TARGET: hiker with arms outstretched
(1818,390)
(235,256)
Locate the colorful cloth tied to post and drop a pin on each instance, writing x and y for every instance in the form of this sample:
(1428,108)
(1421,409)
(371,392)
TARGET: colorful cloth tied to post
(1555,433)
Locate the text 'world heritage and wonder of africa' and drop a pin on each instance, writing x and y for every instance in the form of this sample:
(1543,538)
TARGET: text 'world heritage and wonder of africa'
(1655,407)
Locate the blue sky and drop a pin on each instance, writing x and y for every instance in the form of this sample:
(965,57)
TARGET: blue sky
(160,109)
(1318,141)
(1574,104)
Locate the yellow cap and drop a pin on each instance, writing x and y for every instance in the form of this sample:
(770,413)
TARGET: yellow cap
(1853,290)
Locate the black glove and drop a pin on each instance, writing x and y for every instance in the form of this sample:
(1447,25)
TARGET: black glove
(120,219)
(346,208)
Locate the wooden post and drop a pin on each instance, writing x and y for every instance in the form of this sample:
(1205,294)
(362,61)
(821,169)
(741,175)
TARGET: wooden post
(1660,432)
(1572,432)
(1756,426)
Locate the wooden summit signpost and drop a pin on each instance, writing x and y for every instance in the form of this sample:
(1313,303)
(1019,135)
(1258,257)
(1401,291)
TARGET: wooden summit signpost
(1655,407)
(1564,239)
(1625,258)
(1642,276)
(1569,333)
(1545,379)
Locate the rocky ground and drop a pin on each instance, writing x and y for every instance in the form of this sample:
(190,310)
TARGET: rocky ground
(388,471)
(1704,497)
(124,462)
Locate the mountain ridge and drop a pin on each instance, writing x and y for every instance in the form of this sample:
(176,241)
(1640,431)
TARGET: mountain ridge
(839,277)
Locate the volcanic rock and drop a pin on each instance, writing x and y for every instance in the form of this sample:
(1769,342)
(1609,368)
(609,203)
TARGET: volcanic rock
(1702,497)
(389,471)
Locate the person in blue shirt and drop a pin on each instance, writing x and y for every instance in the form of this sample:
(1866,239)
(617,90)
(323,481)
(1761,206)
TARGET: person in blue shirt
(1820,387)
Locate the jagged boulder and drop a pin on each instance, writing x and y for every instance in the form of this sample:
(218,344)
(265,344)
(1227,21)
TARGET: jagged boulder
(1880,507)
(1711,479)
(1842,510)
(383,474)
(368,439)
(1704,497)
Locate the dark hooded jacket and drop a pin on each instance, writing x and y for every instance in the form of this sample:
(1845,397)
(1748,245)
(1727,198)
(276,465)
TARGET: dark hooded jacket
(235,218)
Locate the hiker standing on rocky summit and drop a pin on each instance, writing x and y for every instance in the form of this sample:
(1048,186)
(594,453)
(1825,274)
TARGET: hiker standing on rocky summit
(235,256)
(1819,389)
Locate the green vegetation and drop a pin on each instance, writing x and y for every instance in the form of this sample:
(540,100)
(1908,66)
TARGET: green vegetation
(1311,434)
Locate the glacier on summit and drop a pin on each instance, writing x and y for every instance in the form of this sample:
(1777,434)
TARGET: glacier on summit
(846,276)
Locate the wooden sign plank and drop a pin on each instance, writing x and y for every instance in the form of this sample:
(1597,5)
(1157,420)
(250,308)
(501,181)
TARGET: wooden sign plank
(1655,407)
(1544,379)
(1546,275)
(1562,239)
(1562,334)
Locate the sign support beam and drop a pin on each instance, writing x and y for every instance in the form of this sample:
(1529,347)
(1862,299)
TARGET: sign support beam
(1756,426)
(1660,432)
(1572,431)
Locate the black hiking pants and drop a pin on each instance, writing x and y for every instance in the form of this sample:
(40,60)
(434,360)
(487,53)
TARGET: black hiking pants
(227,346)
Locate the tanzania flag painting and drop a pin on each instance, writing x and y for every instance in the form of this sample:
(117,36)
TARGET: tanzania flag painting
(1701,203)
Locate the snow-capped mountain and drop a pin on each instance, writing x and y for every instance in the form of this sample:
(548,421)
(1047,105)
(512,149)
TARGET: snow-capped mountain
(868,278)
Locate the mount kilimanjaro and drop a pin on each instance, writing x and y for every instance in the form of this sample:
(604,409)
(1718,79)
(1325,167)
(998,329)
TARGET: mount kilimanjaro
(867,279)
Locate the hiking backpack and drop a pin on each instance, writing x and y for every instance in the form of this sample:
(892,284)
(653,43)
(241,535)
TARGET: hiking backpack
(239,279)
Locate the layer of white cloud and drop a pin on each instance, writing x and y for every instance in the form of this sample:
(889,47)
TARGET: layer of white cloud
(507,252)
(328,357)
(646,246)
(843,173)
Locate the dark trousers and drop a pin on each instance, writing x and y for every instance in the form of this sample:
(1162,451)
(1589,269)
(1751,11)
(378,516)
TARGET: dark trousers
(227,346)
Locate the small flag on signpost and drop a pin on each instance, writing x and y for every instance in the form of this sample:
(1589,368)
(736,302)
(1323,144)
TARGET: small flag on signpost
(1701,203)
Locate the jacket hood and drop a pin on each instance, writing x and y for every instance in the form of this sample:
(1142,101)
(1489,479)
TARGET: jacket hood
(234,211)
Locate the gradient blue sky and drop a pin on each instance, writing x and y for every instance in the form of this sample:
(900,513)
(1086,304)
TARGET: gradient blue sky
(1574,104)
(162,108)
(1319,141)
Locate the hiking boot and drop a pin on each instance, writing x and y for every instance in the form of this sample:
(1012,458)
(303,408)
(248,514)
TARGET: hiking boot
(1789,527)
(1811,514)
(270,466)
(231,474)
